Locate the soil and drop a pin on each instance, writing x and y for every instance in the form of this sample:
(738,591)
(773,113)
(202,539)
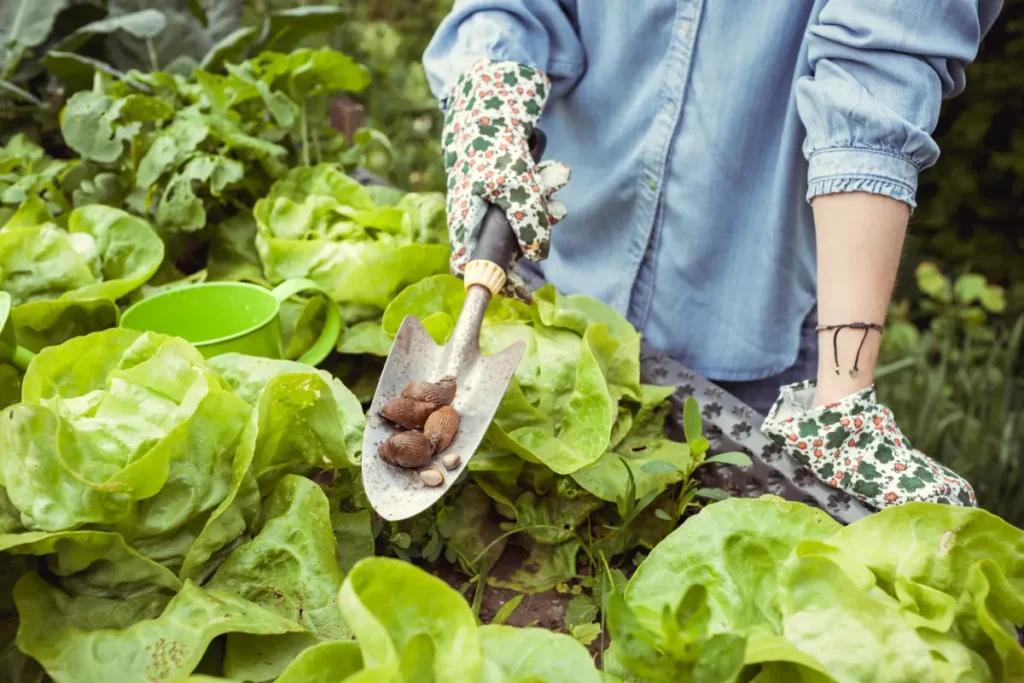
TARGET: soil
(543,610)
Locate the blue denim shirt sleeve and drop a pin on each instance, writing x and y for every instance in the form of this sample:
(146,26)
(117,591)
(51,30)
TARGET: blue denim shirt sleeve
(539,33)
(880,70)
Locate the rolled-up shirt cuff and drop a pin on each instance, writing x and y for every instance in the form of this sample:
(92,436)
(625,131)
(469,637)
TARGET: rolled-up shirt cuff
(851,169)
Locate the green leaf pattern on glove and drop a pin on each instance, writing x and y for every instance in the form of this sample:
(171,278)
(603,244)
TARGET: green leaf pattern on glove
(492,113)
(856,445)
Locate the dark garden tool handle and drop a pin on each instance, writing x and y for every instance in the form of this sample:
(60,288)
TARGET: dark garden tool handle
(497,239)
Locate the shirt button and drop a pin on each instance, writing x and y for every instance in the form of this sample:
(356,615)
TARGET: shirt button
(652,183)
(684,28)
(670,108)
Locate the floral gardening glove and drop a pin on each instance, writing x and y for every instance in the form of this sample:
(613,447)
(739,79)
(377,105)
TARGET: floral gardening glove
(491,115)
(855,445)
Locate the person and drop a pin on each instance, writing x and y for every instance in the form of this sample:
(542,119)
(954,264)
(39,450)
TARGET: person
(742,177)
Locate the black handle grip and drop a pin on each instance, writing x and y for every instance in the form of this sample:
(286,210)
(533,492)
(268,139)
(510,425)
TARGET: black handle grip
(497,239)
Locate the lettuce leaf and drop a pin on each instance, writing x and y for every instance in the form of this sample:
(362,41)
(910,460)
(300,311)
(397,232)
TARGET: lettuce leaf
(318,223)
(64,282)
(916,592)
(158,648)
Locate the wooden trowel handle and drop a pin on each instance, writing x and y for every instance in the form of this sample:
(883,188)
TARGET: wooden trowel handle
(493,254)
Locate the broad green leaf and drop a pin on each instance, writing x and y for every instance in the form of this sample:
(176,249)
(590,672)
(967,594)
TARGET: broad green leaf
(285,29)
(170,148)
(354,535)
(104,255)
(692,423)
(100,559)
(313,73)
(89,455)
(180,208)
(230,48)
(932,282)
(856,636)
(169,646)
(302,419)
(654,461)
(732,458)
(89,123)
(233,253)
(127,249)
(290,569)
(969,287)
(406,620)
(543,568)
(77,72)
(24,24)
(146,23)
(993,298)
(432,295)
(324,663)
(367,337)
(311,225)
(783,660)
(536,655)
(734,549)
(470,530)
(578,313)
(946,554)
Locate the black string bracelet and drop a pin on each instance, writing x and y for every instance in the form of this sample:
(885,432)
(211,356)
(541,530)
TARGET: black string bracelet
(867,327)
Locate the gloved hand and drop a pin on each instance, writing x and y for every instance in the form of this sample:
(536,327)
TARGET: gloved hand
(491,114)
(855,445)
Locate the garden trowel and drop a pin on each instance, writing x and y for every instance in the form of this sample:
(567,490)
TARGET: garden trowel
(398,493)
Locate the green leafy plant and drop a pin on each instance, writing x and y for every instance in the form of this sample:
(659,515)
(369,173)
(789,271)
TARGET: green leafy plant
(915,592)
(957,385)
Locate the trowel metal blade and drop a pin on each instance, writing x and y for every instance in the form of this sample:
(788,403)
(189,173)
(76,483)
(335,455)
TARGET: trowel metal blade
(397,493)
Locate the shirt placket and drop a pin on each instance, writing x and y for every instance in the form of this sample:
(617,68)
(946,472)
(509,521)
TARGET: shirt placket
(636,301)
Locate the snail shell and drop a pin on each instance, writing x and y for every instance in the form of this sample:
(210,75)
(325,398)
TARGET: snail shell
(441,392)
(407,412)
(441,428)
(406,449)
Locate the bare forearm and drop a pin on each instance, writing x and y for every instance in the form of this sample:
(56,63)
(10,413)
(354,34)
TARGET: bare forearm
(860,238)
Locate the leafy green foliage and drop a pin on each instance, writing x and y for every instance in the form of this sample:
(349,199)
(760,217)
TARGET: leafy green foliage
(957,384)
(64,282)
(915,592)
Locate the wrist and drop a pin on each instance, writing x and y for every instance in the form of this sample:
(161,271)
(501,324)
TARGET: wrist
(847,358)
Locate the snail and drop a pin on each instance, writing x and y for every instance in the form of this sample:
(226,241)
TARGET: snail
(440,393)
(441,428)
(406,449)
(407,412)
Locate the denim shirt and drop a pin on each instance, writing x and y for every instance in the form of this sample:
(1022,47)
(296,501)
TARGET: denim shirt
(697,132)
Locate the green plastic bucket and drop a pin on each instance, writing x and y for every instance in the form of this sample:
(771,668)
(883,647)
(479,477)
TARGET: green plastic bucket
(226,317)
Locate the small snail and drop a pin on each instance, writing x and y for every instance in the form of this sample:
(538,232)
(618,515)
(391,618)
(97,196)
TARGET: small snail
(441,428)
(407,412)
(406,449)
(440,393)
